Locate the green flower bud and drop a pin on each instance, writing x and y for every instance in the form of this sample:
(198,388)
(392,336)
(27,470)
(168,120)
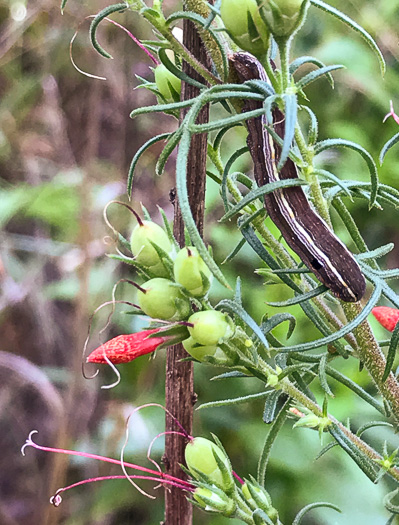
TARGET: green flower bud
(208,354)
(143,235)
(200,459)
(214,501)
(282,16)
(191,272)
(168,85)
(245,25)
(162,299)
(258,497)
(210,326)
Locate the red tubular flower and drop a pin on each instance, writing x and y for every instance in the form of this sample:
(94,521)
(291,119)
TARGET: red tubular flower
(125,348)
(386,316)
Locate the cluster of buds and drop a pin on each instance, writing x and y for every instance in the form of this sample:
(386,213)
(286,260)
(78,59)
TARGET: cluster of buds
(177,281)
(220,490)
(251,22)
(213,484)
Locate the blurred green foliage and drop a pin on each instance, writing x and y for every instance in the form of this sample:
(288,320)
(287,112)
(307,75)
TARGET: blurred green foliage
(65,144)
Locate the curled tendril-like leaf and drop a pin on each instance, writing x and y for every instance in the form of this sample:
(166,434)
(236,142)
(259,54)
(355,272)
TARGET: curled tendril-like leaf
(163,57)
(296,64)
(388,502)
(387,146)
(270,439)
(137,156)
(301,513)
(314,75)
(333,143)
(353,25)
(97,20)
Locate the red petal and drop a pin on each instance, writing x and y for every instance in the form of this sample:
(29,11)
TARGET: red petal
(386,316)
(125,348)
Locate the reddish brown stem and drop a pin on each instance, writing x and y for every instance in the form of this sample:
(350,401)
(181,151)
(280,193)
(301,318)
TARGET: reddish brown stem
(179,375)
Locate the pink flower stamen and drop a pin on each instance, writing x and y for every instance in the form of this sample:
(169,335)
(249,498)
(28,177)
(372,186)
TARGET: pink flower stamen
(391,114)
(56,500)
(159,476)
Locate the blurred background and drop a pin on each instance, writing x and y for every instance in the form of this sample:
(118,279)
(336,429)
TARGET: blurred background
(66,142)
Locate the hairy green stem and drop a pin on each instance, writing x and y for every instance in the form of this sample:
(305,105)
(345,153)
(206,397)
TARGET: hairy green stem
(180,49)
(286,386)
(201,8)
(371,355)
(353,230)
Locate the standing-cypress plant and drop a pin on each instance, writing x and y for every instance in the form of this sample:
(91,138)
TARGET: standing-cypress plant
(249,76)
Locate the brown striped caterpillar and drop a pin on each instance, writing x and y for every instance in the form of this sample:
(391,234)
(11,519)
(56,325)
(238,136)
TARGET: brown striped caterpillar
(304,231)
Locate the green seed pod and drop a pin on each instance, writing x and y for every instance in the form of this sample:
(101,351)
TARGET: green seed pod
(200,459)
(143,235)
(210,326)
(245,25)
(191,272)
(283,16)
(162,299)
(168,85)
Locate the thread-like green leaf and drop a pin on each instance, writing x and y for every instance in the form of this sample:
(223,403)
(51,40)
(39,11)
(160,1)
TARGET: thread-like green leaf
(387,146)
(325,449)
(290,112)
(300,298)
(269,324)
(137,156)
(322,376)
(227,121)
(181,187)
(98,19)
(297,63)
(342,331)
(158,108)
(257,246)
(314,75)
(260,192)
(233,401)
(234,252)
(163,57)
(270,439)
(223,188)
(313,127)
(302,512)
(372,424)
(335,143)
(377,253)
(269,411)
(356,27)
(330,176)
(393,345)
(362,461)
(171,144)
